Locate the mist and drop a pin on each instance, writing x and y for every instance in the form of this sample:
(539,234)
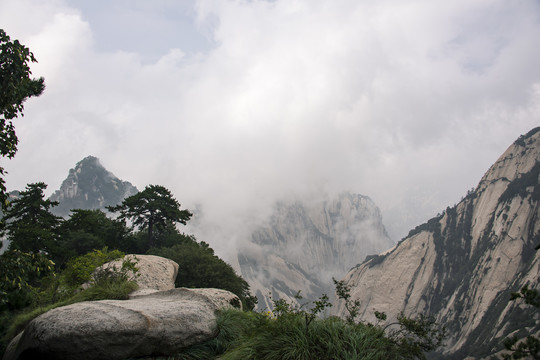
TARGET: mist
(234,105)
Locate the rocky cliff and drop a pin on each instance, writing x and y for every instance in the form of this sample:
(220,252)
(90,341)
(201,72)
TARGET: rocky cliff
(461,266)
(305,244)
(90,186)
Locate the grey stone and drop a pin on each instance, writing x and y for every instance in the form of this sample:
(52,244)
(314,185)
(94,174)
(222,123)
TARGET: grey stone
(159,324)
(154,272)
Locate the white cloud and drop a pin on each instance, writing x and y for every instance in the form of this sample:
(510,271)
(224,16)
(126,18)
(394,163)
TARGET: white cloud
(408,102)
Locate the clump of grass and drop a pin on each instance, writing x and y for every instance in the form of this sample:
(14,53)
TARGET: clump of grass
(232,327)
(246,336)
(332,338)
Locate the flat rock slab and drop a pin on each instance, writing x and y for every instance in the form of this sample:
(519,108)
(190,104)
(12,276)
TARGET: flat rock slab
(159,324)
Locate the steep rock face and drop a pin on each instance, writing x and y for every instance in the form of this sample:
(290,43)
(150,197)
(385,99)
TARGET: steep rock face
(461,266)
(90,186)
(306,244)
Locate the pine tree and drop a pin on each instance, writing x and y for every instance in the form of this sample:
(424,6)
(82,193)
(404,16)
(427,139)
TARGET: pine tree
(152,209)
(29,224)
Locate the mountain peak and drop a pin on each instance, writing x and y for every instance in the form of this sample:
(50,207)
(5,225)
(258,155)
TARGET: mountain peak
(461,267)
(518,159)
(89,160)
(308,242)
(90,186)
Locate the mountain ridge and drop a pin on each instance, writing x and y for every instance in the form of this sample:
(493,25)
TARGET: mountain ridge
(462,265)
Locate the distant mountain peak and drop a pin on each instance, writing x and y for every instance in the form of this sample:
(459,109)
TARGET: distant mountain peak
(307,242)
(89,158)
(90,186)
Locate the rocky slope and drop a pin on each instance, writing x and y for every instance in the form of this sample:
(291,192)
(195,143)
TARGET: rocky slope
(461,266)
(90,186)
(305,244)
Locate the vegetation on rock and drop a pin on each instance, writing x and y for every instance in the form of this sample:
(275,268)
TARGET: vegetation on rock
(200,267)
(42,288)
(292,332)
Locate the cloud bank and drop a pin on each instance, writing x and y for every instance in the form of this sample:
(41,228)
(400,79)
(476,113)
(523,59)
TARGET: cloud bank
(407,102)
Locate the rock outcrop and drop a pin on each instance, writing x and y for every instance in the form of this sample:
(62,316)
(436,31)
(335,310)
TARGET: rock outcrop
(159,324)
(89,186)
(307,243)
(154,273)
(461,266)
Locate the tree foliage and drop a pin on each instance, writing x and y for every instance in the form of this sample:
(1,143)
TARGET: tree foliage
(529,347)
(79,269)
(16,85)
(199,267)
(80,243)
(19,273)
(343,292)
(88,230)
(29,224)
(417,335)
(152,210)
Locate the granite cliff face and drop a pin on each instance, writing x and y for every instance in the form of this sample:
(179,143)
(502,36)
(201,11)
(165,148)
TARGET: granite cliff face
(306,244)
(461,266)
(90,186)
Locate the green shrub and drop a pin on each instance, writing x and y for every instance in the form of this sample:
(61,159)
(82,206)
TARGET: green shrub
(20,273)
(79,270)
(199,267)
(110,283)
(248,335)
(291,331)
(232,326)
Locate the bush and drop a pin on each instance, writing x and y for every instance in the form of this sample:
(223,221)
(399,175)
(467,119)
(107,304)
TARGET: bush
(20,273)
(110,283)
(200,268)
(290,332)
(79,270)
(255,336)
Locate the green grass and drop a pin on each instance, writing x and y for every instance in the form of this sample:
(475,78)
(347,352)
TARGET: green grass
(252,336)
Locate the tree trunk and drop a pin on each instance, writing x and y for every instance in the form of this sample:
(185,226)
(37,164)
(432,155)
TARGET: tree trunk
(150,233)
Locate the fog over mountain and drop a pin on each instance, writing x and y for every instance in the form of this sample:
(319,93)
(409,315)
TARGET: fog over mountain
(307,243)
(234,105)
(301,246)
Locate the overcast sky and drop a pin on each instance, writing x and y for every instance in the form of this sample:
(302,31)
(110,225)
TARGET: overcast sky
(234,104)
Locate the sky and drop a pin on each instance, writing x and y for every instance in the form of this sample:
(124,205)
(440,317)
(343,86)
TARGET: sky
(233,105)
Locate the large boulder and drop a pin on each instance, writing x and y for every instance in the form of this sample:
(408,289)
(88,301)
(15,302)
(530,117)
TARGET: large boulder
(159,324)
(155,273)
